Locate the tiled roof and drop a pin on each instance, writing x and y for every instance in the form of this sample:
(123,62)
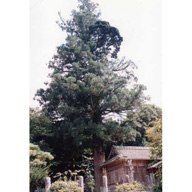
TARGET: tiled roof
(131,152)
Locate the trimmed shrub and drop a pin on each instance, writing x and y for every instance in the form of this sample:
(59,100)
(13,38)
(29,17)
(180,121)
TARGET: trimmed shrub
(133,186)
(65,186)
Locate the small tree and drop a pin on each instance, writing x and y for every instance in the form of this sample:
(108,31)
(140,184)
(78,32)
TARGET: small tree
(38,166)
(154,135)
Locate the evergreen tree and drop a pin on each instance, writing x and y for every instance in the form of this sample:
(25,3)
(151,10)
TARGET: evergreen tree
(88,83)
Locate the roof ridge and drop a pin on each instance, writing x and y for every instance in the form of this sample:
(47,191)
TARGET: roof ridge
(132,147)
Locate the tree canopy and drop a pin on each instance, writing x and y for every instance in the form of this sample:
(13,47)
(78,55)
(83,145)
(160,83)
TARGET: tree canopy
(87,83)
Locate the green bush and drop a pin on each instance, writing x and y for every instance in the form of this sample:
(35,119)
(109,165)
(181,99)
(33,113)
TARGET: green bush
(133,186)
(65,186)
(158,187)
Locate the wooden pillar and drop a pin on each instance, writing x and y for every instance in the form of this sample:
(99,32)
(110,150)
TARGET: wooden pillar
(47,184)
(81,183)
(99,157)
(131,170)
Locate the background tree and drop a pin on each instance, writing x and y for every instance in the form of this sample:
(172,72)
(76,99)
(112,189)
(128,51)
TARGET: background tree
(40,129)
(88,83)
(44,134)
(140,121)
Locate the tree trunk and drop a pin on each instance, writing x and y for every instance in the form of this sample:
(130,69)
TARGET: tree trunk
(99,157)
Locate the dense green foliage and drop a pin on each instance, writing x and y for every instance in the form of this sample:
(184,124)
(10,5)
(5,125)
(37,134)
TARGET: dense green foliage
(154,135)
(43,134)
(86,164)
(40,129)
(158,187)
(133,186)
(140,121)
(38,166)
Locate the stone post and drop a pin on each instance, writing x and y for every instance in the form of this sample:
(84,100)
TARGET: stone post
(147,180)
(92,189)
(105,184)
(81,183)
(47,184)
(127,178)
(152,177)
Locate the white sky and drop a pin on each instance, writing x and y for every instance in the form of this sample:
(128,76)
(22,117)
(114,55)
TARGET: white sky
(139,23)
